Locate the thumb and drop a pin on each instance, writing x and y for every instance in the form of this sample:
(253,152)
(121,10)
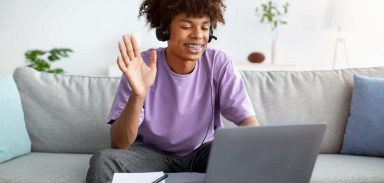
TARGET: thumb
(153,59)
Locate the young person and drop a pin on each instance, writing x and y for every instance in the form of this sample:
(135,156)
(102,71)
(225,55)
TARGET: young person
(169,100)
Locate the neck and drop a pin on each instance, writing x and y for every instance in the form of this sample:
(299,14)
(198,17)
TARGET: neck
(179,65)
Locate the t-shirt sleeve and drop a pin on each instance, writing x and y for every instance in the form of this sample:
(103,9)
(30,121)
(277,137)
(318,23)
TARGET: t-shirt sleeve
(120,101)
(235,104)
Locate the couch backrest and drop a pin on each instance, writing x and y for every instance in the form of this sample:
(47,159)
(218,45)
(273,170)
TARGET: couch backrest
(291,97)
(66,113)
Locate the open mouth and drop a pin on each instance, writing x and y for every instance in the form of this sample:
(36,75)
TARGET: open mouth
(194,48)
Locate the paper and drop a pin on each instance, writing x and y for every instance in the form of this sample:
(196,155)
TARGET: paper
(147,177)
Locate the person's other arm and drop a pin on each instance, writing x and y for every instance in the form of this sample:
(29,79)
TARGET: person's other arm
(140,77)
(235,103)
(250,121)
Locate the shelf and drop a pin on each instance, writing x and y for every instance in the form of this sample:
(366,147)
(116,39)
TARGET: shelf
(265,67)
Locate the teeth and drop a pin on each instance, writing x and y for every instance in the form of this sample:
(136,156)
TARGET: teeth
(193,47)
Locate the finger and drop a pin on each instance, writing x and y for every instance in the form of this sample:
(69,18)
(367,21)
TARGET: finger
(128,46)
(121,64)
(153,59)
(123,52)
(135,46)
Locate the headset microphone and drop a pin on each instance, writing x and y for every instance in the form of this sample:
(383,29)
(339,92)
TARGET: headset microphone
(211,36)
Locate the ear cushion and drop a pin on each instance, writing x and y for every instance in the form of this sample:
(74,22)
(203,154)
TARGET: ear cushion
(162,34)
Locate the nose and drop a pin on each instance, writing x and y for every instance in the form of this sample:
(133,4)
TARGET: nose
(197,34)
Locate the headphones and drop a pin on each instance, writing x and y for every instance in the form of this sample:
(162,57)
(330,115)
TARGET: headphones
(163,34)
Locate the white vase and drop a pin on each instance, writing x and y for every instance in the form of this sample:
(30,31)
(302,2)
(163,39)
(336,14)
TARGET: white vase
(273,46)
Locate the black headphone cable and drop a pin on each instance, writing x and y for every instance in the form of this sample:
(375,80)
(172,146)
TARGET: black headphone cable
(212,116)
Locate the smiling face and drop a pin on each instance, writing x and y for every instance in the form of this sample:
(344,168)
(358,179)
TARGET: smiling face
(188,38)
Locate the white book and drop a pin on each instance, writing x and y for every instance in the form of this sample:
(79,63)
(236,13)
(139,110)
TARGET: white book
(146,177)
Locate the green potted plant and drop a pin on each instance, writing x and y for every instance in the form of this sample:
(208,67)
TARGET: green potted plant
(40,60)
(274,15)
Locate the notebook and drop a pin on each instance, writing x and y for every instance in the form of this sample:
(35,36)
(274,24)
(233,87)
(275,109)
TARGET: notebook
(147,177)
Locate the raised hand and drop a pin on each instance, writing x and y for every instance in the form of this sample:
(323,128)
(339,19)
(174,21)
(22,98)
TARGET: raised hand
(139,75)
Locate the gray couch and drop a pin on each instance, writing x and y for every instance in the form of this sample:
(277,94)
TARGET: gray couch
(65,118)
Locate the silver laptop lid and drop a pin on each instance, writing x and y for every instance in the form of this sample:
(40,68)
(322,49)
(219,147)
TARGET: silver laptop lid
(268,154)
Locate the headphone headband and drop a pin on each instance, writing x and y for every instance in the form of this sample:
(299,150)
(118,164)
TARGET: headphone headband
(163,34)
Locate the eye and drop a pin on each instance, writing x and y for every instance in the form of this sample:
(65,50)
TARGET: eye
(185,26)
(205,28)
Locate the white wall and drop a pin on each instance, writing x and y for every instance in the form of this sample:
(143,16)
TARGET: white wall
(92,29)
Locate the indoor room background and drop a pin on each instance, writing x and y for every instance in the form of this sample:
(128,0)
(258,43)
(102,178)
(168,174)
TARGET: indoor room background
(92,28)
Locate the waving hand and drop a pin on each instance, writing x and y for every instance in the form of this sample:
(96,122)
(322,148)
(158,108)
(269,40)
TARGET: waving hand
(139,75)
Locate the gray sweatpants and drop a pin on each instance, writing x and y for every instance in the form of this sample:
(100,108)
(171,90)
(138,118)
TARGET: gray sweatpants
(142,158)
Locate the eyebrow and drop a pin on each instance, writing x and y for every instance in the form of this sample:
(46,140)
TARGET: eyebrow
(189,21)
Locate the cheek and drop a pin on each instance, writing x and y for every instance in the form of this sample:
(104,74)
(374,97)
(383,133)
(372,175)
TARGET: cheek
(179,34)
(206,37)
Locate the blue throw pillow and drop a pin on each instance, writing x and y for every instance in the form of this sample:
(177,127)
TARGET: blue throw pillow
(364,134)
(14,139)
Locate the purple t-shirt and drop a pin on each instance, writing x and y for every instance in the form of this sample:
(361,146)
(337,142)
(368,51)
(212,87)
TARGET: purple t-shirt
(177,110)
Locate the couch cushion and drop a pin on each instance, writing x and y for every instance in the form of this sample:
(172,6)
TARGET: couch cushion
(54,167)
(364,134)
(287,97)
(46,168)
(66,113)
(14,139)
(332,168)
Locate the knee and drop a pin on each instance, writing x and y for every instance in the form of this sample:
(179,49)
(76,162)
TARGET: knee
(100,166)
(101,158)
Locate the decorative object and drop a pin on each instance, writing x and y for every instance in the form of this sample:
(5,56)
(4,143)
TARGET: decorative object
(256,57)
(273,14)
(364,134)
(345,16)
(338,17)
(37,59)
(14,139)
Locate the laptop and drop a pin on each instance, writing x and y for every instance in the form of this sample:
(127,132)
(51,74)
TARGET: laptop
(267,154)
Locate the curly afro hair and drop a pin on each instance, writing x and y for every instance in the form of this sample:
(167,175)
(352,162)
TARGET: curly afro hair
(160,12)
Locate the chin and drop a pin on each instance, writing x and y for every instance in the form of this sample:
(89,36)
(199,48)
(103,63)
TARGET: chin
(193,57)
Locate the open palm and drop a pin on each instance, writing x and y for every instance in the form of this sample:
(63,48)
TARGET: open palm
(139,75)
